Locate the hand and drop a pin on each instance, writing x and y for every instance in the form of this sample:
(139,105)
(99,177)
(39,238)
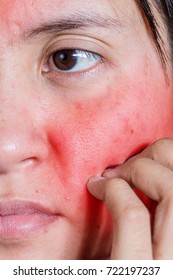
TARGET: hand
(151,172)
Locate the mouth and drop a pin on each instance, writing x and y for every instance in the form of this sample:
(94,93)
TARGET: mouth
(21,218)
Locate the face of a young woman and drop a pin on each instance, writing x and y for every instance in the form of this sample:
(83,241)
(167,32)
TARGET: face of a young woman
(81,88)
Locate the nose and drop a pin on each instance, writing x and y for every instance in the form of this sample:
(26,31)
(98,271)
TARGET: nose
(22,143)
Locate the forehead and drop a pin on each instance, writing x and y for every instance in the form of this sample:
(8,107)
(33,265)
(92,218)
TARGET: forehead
(17,15)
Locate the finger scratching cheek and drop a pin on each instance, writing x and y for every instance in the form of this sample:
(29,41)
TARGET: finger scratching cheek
(148,176)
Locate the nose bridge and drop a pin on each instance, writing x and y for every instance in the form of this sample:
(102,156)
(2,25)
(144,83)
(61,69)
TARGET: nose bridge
(13,91)
(14,117)
(9,78)
(13,98)
(20,138)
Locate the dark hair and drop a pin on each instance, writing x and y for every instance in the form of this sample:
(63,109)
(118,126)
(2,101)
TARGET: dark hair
(165,10)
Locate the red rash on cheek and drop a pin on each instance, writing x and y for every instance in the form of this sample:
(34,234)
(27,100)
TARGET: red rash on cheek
(106,131)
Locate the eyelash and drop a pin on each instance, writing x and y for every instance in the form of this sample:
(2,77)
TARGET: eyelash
(84,54)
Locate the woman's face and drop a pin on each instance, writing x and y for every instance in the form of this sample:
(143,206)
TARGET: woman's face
(82,88)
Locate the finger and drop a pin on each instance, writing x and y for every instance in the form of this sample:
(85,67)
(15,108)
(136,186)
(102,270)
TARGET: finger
(153,179)
(156,181)
(132,233)
(160,151)
(163,231)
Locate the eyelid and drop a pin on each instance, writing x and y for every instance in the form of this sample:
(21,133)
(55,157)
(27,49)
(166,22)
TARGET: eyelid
(73,42)
(76,39)
(77,69)
(62,42)
(64,79)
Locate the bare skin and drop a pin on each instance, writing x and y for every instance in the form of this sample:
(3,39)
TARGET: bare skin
(151,173)
(60,127)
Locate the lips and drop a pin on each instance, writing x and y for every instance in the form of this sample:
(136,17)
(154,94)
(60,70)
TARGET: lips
(20,219)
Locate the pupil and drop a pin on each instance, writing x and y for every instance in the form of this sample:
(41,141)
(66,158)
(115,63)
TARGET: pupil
(65,60)
(63,57)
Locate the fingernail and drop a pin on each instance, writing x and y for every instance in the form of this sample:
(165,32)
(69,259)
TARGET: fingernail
(94,179)
(109,173)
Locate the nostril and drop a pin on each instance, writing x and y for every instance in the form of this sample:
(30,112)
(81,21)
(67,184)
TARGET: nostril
(28,161)
(21,150)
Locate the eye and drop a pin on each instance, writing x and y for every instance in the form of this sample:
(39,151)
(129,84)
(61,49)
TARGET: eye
(69,60)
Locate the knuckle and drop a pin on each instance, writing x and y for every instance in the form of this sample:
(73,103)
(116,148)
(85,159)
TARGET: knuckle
(137,167)
(138,163)
(160,146)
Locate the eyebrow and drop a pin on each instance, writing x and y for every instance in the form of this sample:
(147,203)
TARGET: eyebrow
(76,21)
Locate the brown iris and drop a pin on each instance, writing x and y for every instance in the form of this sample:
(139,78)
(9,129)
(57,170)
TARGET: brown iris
(65,59)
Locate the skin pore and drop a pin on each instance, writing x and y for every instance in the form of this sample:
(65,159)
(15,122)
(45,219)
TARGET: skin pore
(60,128)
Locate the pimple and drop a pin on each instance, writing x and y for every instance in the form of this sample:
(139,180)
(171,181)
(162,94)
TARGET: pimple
(79,106)
(128,127)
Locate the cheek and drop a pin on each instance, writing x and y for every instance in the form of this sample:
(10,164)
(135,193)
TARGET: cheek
(106,132)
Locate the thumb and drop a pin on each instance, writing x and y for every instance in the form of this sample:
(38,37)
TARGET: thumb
(96,187)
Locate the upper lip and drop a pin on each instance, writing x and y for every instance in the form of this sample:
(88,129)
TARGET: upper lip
(23,208)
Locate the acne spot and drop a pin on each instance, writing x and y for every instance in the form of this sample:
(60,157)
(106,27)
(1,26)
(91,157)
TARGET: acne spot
(132,131)
(79,106)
